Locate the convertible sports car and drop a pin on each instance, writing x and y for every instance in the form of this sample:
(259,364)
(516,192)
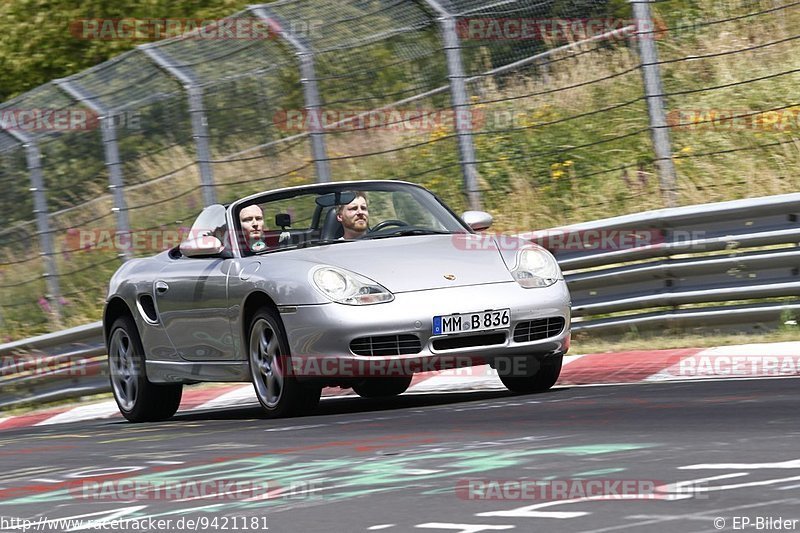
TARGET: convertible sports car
(276,295)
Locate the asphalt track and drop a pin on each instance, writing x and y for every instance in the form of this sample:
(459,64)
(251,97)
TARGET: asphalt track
(685,456)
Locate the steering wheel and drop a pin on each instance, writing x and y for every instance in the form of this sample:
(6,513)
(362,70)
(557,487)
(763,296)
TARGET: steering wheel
(386,223)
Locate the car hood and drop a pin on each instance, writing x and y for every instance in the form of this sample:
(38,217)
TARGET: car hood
(418,262)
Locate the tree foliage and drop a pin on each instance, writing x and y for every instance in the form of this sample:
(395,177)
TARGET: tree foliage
(36,44)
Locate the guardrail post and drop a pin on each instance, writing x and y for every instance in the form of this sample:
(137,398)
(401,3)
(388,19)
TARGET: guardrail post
(116,183)
(34,161)
(460,102)
(308,78)
(654,94)
(197,112)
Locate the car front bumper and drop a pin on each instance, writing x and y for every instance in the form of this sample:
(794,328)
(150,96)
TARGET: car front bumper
(324,332)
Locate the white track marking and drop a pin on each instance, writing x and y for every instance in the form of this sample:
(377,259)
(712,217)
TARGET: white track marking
(85,412)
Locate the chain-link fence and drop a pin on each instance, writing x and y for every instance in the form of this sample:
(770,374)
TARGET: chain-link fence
(541,112)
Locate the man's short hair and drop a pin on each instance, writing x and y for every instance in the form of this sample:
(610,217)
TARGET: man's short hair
(358,194)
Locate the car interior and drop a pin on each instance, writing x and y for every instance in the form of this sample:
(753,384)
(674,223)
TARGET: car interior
(293,221)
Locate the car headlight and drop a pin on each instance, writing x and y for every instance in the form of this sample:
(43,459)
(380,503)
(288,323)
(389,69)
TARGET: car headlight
(536,268)
(349,288)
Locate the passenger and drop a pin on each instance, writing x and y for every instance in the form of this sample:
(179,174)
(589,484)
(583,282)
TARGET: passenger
(252,220)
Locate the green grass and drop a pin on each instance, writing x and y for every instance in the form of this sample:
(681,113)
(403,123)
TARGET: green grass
(583,344)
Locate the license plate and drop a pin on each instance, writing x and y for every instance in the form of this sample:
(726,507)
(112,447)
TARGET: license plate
(463,322)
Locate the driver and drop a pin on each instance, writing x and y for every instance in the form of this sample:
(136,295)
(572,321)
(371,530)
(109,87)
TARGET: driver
(354,217)
(252,220)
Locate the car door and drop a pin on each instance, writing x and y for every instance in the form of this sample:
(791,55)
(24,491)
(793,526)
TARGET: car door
(191,295)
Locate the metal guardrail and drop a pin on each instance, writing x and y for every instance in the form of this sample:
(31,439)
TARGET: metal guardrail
(60,365)
(727,253)
(632,272)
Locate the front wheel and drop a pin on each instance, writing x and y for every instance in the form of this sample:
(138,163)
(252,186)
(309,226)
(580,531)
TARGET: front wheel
(544,378)
(138,399)
(278,392)
(382,387)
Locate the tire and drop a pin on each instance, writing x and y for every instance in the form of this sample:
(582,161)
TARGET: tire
(544,378)
(278,392)
(138,399)
(382,387)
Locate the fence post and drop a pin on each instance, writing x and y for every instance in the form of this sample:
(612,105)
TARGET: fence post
(308,77)
(116,183)
(654,95)
(34,161)
(197,112)
(460,102)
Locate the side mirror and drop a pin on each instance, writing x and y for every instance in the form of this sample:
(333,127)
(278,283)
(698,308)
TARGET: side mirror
(477,220)
(203,246)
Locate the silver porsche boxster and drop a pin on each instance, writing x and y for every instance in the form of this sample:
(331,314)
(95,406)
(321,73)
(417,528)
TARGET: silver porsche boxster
(347,284)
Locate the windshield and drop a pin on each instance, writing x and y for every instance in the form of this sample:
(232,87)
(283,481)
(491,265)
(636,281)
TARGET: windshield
(211,221)
(335,213)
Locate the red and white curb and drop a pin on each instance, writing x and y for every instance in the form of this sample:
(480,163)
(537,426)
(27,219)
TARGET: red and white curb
(741,361)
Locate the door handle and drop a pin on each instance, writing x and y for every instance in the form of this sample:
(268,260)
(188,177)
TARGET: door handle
(161,287)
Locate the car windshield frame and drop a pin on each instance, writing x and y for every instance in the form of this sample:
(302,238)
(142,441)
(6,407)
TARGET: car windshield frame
(450,222)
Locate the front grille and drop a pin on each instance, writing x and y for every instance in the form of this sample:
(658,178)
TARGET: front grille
(453,343)
(541,328)
(386,345)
